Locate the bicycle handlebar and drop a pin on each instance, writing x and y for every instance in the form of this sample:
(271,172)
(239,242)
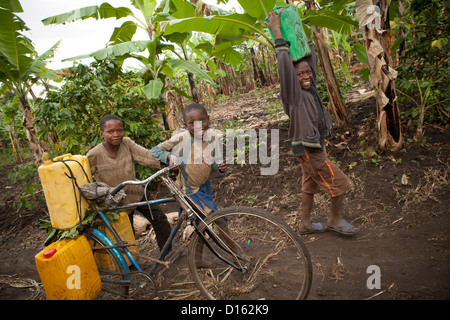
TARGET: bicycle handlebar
(142,182)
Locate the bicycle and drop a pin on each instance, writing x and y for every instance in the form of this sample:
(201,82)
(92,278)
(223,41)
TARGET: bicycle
(249,253)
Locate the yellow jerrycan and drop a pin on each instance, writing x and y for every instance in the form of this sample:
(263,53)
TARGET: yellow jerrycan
(64,202)
(68,271)
(124,229)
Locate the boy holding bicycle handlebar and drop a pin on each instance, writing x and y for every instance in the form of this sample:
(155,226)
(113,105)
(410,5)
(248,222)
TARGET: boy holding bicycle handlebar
(198,150)
(112,162)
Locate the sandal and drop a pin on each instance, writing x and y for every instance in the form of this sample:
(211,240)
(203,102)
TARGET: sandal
(317,227)
(343,228)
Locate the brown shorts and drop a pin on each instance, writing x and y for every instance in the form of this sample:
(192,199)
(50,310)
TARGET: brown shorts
(319,171)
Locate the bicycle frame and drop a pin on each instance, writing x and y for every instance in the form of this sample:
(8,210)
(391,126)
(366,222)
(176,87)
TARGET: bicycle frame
(190,211)
(120,249)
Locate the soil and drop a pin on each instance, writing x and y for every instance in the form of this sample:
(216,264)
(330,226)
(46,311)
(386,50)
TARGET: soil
(398,200)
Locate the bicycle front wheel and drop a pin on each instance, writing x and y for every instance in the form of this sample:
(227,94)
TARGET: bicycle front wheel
(249,254)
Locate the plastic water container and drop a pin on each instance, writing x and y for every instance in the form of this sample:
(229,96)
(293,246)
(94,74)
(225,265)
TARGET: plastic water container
(292,30)
(125,231)
(64,203)
(68,271)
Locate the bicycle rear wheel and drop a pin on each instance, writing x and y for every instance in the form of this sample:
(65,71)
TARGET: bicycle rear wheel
(115,281)
(273,261)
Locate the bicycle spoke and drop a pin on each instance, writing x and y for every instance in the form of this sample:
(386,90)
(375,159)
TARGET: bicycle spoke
(274,262)
(115,283)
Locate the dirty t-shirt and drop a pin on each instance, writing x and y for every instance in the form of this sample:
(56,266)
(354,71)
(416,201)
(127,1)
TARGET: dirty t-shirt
(114,170)
(197,164)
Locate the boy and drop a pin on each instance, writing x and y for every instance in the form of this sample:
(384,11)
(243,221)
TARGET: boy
(308,122)
(197,149)
(197,163)
(112,162)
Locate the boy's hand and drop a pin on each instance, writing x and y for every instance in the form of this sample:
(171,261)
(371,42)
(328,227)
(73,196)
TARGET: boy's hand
(222,166)
(172,160)
(274,23)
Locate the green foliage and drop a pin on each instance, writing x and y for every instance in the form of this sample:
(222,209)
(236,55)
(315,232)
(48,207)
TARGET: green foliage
(122,47)
(423,35)
(68,117)
(331,18)
(25,175)
(89,93)
(423,105)
(20,65)
(11,116)
(274,109)
(73,233)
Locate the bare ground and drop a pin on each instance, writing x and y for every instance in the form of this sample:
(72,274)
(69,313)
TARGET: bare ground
(400,201)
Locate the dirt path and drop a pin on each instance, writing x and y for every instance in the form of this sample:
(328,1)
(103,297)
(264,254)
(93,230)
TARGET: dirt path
(404,226)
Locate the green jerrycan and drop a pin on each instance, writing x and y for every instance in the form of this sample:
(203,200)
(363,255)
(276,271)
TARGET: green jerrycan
(292,31)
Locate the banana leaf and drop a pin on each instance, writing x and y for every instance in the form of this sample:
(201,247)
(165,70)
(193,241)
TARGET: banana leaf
(104,11)
(331,20)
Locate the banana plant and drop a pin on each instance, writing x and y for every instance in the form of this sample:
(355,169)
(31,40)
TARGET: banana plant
(10,117)
(229,29)
(21,66)
(329,16)
(375,27)
(233,28)
(176,9)
(122,46)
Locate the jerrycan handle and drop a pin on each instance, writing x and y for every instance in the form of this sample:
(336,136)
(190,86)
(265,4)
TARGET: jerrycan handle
(67,155)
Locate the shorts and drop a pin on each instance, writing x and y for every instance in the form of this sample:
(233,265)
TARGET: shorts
(319,171)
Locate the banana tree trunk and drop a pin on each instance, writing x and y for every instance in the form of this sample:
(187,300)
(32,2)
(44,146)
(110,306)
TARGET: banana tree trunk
(193,87)
(373,17)
(173,108)
(15,141)
(336,101)
(258,75)
(36,146)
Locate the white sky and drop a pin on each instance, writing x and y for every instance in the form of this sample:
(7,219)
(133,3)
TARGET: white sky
(79,37)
